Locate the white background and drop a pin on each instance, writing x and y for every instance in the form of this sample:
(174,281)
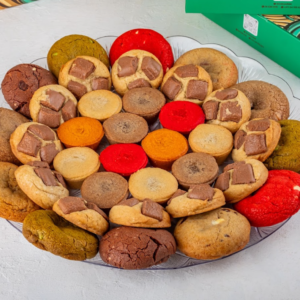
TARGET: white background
(269,270)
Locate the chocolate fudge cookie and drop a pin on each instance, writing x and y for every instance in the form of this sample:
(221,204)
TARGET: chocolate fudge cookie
(136,248)
(20,83)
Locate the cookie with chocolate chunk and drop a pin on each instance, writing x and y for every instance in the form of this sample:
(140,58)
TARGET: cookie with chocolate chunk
(229,108)
(86,215)
(136,69)
(132,212)
(20,83)
(256,139)
(187,82)
(241,179)
(41,184)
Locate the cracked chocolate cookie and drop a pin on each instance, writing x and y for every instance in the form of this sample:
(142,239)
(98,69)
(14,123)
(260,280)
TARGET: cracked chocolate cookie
(14,204)
(136,248)
(136,69)
(20,83)
(42,185)
(187,83)
(48,231)
(213,234)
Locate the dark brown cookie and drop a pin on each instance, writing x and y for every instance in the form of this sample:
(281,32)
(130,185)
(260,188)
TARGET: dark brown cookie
(20,83)
(135,248)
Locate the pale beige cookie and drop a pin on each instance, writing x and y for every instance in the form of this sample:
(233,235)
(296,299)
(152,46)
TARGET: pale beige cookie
(229,108)
(199,199)
(40,184)
(84,74)
(135,69)
(132,212)
(99,105)
(256,139)
(213,234)
(187,83)
(241,179)
(214,140)
(83,214)
(152,183)
(35,142)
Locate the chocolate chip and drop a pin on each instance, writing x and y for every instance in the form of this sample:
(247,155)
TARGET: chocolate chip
(233,166)
(69,111)
(56,100)
(243,174)
(81,68)
(77,89)
(29,144)
(150,67)
(95,207)
(48,153)
(44,132)
(138,83)
(171,88)
(226,235)
(129,202)
(239,139)
(47,176)
(49,117)
(60,178)
(100,83)
(152,209)
(231,111)
(226,94)
(201,192)
(259,125)
(211,109)
(178,193)
(71,204)
(127,65)
(196,89)
(23,86)
(222,182)
(255,144)
(187,71)
(39,164)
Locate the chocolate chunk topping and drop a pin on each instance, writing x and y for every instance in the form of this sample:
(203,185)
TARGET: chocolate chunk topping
(71,204)
(171,88)
(138,83)
(211,109)
(255,144)
(201,191)
(239,139)
(226,94)
(29,144)
(187,71)
(100,83)
(243,174)
(47,176)
(39,164)
(152,209)
(48,153)
(230,111)
(60,178)
(56,100)
(127,66)
(196,89)
(222,182)
(69,111)
(44,132)
(77,89)
(23,86)
(259,125)
(81,68)
(233,166)
(129,202)
(151,67)
(95,207)
(178,193)
(49,117)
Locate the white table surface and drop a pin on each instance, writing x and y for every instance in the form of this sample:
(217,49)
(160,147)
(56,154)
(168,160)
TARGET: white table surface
(269,270)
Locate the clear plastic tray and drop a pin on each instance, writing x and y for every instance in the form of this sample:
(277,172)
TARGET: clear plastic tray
(249,69)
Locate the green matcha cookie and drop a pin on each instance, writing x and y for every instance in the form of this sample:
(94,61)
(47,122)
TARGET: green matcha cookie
(48,231)
(71,46)
(286,155)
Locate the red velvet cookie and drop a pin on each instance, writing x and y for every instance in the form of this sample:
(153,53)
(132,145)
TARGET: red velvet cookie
(181,116)
(143,39)
(123,159)
(276,201)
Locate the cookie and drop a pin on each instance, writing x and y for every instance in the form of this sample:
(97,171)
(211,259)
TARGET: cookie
(211,139)
(267,100)
(14,204)
(99,105)
(132,212)
(84,74)
(152,183)
(275,202)
(220,67)
(42,185)
(226,232)
(9,121)
(71,46)
(256,139)
(50,232)
(52,105)
(241,179)
(20,83)
(195,168)
(286,155)
(136,69)
(35,142)
(187,82)
(136,248)
(86,215)
(199,199)
(229,108)
(105,189)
